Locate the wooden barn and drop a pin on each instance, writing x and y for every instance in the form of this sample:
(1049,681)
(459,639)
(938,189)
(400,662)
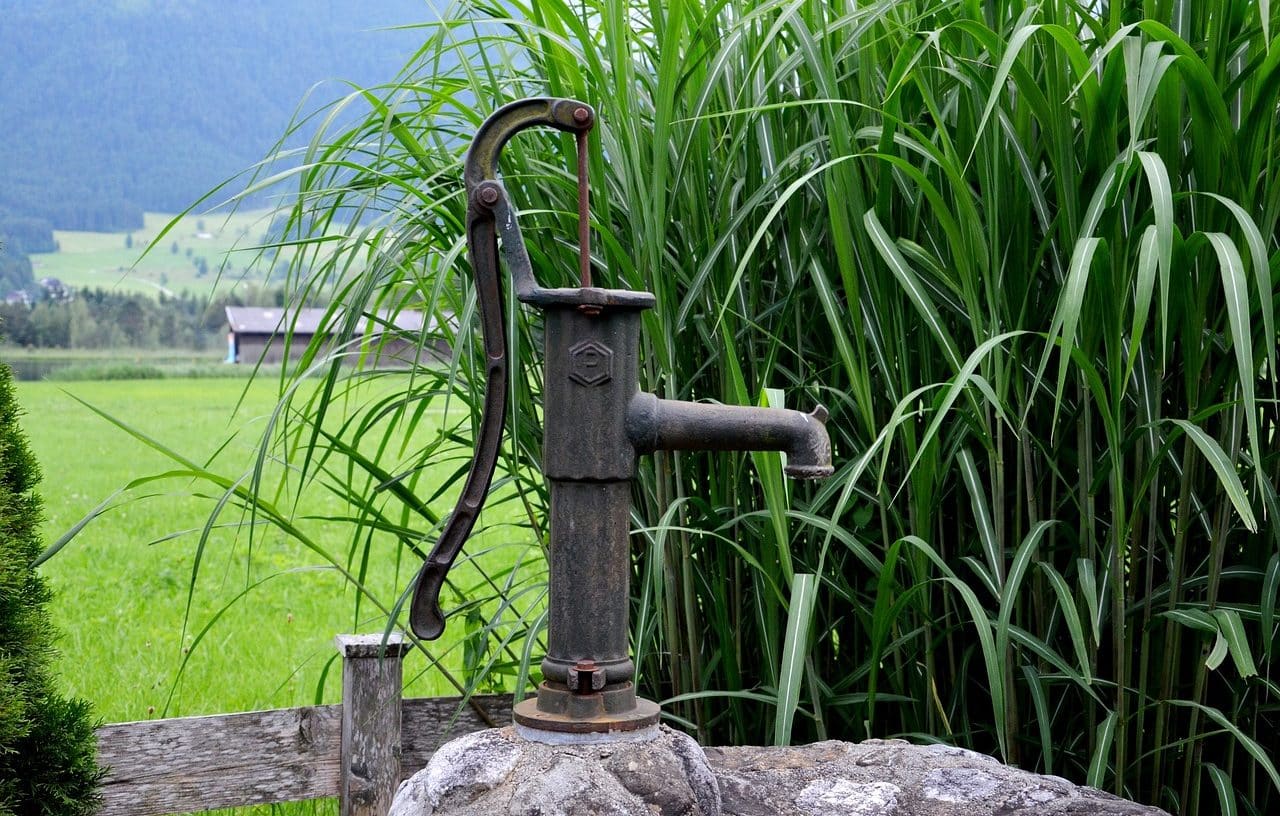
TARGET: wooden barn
(257,334)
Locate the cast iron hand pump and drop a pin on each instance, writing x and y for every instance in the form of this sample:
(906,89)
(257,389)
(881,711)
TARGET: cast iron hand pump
(597,422)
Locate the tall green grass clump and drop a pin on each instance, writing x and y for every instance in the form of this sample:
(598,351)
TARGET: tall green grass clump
(1026,253)
(48,749)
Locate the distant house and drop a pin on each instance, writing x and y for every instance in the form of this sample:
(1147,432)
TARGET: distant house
(257,334)
(56,290)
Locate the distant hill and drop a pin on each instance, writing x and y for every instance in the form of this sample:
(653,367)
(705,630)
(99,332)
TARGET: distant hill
(112,107)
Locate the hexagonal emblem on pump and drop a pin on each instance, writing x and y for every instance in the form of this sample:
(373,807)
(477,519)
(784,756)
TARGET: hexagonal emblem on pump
(590,363)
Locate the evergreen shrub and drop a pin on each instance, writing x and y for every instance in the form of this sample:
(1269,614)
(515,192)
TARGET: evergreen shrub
(48,764)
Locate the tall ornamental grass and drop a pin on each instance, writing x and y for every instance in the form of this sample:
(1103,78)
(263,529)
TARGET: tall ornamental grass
(1026,253)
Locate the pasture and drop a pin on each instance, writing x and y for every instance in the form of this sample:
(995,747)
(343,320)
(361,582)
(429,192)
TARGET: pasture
(121,364)
(271,606)
(114,260)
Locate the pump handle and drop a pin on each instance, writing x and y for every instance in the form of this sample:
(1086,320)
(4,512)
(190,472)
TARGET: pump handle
(489,213)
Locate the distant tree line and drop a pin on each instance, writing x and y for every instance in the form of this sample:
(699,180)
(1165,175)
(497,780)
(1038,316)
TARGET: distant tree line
(26,235)
(15,270)
(97,318)
(20,236)
(71,203)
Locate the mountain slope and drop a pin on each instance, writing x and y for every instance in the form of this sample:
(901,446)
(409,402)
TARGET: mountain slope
(110,108)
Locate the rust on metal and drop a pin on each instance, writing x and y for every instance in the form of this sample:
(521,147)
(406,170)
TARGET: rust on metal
(488,195)
(586,677)
(584,208)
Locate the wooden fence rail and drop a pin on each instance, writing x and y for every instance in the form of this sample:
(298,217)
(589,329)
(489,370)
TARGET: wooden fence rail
(358,750)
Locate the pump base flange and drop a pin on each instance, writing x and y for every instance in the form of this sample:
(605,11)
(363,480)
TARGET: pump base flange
(644,715)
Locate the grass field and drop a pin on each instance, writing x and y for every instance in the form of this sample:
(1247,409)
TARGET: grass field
(103,259)
(100,364)
(122,584)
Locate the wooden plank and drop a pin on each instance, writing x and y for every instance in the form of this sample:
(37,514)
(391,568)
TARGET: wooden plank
(426,723)
(200,763)
(189,764)
(371,683)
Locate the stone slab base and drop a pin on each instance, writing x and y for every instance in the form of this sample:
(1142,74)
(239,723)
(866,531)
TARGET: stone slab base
(495,773)
(896,778)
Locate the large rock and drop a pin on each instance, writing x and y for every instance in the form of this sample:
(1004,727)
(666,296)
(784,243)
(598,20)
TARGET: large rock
(896,778)
(495,773)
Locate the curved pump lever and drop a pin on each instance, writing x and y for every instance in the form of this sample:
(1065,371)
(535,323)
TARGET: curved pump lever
(489,214)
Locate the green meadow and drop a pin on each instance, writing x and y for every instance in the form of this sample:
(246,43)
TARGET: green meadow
(141,638)
(226,244)
(121,364)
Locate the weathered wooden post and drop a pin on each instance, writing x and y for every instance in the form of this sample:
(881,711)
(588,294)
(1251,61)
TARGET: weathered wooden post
(371,685)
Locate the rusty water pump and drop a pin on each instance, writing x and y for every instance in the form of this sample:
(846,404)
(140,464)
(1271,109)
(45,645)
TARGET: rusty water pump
(597,422)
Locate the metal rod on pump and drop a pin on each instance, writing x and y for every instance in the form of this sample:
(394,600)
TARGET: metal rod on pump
(584,213)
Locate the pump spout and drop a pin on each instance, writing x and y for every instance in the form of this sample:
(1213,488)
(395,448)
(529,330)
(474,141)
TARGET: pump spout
(660,424)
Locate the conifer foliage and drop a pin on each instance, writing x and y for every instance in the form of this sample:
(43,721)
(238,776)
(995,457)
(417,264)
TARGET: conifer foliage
(48,765)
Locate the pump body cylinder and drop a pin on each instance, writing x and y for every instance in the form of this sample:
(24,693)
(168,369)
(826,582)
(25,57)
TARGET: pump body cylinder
(591,373)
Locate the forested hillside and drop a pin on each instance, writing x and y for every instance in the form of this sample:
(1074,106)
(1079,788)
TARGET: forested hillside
(110,108)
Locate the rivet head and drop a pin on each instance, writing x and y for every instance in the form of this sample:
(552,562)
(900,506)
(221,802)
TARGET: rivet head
(488,195)
(581,115)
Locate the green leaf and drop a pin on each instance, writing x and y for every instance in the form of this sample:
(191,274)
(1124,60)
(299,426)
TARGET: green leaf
(1232,629)
(966,376)
(1068,314)
(1194,618)
(1162,206)
(777,501)
(1162,203)
(804,593)
(982,515)
(1226,793)
(1236,289)
(763,229)
(1270,591)
(1217,654)
(1044,722)
(1259,754)
(883,615)
(1017,571)
(1261,270)
(982,625)
(1144,287)
(1089,590)
(1066,604)
(1021,35)
(1222,466)
(911,285)
(1100,763)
